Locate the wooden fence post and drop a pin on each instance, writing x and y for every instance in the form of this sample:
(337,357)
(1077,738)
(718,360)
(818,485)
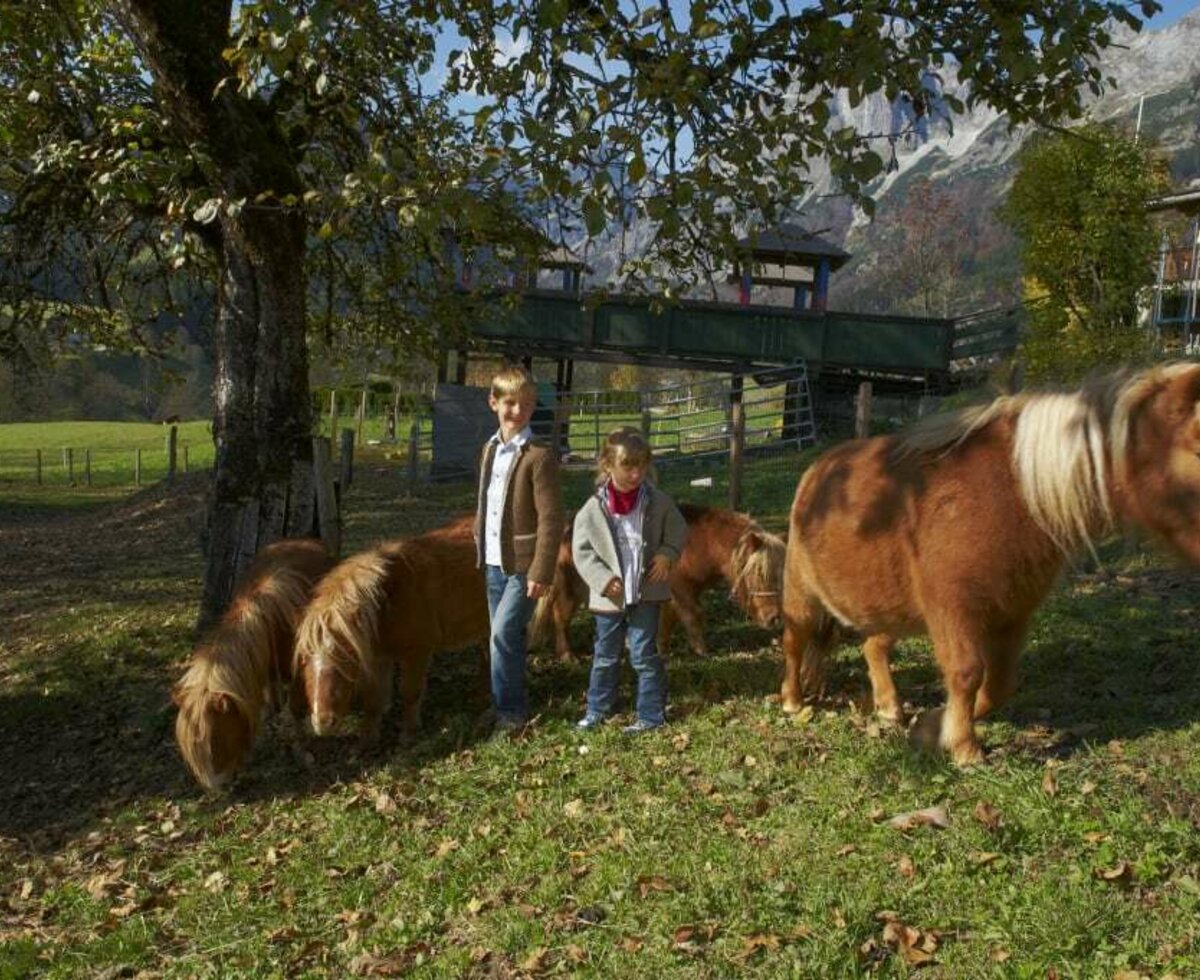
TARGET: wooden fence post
(327,508)
(185,457)
(346,459)
(737,440)
(172,442)
(38,465)
(646,419)
(87,467)
(69,465)
(862,411)
(414,449)
(362,414)
(137,467)
(333,412)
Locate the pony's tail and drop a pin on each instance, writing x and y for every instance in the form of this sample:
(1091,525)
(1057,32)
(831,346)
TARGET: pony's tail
(815,667)
(344,621)
(542,621)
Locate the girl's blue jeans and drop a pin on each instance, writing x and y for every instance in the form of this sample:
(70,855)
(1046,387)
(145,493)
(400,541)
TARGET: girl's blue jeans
(638,623)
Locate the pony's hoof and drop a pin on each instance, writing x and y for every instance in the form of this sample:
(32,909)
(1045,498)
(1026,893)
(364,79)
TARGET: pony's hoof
(967,756)
(792,706)
(891,719)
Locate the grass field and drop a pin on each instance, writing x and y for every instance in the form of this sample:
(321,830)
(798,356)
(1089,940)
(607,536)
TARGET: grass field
(736,842)
(103,454)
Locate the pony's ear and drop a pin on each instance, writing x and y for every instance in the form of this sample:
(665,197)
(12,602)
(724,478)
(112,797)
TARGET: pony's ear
(221,703)
(754,540)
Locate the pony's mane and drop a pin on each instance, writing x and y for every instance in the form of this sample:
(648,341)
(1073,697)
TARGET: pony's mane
(342,621)
(235,660)
(756,569)
(1064,444)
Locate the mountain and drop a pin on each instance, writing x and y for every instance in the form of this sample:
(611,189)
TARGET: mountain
(967,160)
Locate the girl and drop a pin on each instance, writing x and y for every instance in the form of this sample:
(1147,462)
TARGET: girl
(626,538)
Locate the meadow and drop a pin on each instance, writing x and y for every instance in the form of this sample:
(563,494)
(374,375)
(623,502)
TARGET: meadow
(737,841)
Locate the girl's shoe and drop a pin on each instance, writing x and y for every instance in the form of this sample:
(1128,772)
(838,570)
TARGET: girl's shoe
(640,726)
(590,722)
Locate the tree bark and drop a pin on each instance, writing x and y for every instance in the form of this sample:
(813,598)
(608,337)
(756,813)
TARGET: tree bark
(262,486)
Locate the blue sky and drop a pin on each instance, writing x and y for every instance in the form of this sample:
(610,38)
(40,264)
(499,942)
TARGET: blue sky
(1172,10)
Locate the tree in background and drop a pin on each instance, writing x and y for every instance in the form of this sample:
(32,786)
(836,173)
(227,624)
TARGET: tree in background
(290,153)
(1078,205)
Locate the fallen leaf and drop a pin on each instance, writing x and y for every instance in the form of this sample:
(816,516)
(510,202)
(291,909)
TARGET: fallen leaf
(535,962)
(760,941)
(846,850)
(652,883)
(574,808)
(385,803)
(1120,873)
(984,857)
(632,944)
(906,867)
(987,815)
(934,816)
(447,846)
(1000,955)
(1095,836)
(216,882)
(1050,783)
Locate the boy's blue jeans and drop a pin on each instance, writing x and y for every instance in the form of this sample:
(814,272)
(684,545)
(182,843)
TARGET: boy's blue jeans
(639,623)
(510,610)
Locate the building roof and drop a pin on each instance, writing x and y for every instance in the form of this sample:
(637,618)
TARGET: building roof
(1186,201)
(792,244)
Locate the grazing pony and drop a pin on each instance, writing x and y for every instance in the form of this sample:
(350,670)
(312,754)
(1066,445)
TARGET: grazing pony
(397,604)
(246,658)
(959,527)
(721,544)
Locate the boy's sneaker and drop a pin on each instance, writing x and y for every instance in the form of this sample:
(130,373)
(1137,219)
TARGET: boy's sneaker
(589,722)
(641,725)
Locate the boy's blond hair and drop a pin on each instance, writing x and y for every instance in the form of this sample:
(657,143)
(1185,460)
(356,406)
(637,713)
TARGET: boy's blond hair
(513,380)
(624,443)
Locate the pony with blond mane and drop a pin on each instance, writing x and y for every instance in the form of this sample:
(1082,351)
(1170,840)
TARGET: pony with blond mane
(246,661)
(395,605)
(959,528)
(721,545)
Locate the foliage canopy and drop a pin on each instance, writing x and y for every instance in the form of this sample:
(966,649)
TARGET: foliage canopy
(1078,204)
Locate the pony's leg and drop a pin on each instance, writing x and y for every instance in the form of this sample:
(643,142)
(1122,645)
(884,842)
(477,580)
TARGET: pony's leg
(412,688)
(877,650)
(563,609)
(1000,678)
(962,660)
(376,701)
(687,610)
(666,625)
(803,654)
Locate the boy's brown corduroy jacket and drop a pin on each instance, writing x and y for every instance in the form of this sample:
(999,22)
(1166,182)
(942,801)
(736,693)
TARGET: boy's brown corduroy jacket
(531,526)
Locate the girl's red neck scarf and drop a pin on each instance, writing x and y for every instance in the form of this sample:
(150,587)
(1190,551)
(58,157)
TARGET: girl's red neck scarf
(622,503)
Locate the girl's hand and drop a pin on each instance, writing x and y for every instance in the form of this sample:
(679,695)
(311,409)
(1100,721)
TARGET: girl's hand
(614,590)
(660,569)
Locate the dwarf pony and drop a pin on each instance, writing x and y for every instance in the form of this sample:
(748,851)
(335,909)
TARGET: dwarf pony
(246,658)
(721,545)
(959,528)
(397,604)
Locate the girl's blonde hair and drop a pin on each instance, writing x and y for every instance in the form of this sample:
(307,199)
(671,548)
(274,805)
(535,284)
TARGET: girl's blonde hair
(624,444)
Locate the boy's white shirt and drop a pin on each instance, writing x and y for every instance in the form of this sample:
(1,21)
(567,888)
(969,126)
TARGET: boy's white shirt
(502,462)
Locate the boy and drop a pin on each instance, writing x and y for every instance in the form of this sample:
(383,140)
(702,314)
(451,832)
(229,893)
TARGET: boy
(518,527)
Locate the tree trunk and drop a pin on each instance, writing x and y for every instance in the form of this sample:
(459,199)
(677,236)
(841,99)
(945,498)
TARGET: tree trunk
(262,482)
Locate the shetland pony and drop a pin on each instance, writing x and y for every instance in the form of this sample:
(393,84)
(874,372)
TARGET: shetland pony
(721,545)
(395,605)
(959,528)
(246,657)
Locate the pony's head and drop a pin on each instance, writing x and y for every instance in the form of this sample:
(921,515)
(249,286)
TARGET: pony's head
(337,651)
(756,568)
(214,728)
(328,682)
(1156,454)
